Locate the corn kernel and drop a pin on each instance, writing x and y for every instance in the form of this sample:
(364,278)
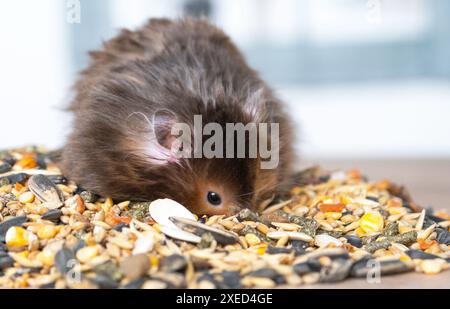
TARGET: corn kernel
(252,239)
(87,253)
(27,162)
(47,231)
(26,197)
(46,257)
(344,199)
(360,232)
(16,237)
(371,222)
(261,249)
(154,261)
(333,215)
(405,258)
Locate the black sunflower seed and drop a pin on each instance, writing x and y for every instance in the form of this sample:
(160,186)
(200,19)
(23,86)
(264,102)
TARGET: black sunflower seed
(277,250)
(6,261)
(418,254)
(65,260)
(264,273)
(338,270)
(52,215)
(4,167)
(368,264)
(230,280)
(354,240)
(120,226)
(299,246)
(17,178)
(135,284)
(173,263)
(104,282)
(58,179)
(302,268)
(443,236)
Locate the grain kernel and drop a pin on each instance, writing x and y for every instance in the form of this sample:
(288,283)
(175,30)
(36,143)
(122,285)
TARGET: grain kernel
(252,239)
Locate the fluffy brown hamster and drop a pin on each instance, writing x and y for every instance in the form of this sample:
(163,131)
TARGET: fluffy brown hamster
(144,81)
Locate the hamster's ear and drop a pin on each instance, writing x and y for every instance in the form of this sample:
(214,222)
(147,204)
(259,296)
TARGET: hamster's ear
(163,121)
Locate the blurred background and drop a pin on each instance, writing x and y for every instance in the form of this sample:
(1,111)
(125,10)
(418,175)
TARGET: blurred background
(364,79)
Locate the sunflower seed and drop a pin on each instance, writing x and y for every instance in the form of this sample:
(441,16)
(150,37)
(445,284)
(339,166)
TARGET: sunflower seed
(135,284)
(338,270)
(52,215)
(58,179)
(163,209)
(354,240)
(277,250)
(443,236)
(197,228)
(305,268)
(120,226)
(45,191)
(4,167)
(6,261)
(417,254)
(104,282)
(264,273)
(362,267)
(173,263)
(65,260)
(180,234)
(17,178)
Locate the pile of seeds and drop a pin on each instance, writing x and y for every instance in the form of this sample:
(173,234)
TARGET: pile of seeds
(330,227)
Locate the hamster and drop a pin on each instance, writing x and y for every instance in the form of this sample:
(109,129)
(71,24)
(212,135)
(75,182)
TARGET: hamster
(138,85)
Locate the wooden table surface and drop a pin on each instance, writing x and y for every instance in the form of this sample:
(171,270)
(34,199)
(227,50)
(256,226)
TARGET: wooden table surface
(428,181)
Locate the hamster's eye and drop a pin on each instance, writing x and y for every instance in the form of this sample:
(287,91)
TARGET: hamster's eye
(214,198)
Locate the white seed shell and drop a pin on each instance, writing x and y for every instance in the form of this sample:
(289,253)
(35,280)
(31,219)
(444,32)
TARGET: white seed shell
(162,209)
(143,244)
(180,234)
(291,235)
(323,240)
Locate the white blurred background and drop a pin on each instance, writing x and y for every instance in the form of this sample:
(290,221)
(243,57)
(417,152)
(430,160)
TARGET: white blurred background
(363,78)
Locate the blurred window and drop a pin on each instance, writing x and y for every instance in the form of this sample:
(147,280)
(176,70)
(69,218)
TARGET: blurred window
(304,41)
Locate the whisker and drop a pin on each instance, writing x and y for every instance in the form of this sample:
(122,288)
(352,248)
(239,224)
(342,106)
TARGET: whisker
(259,190)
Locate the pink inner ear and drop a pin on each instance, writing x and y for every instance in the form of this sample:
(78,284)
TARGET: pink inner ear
(158,154)
(163,121)
(160,148)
